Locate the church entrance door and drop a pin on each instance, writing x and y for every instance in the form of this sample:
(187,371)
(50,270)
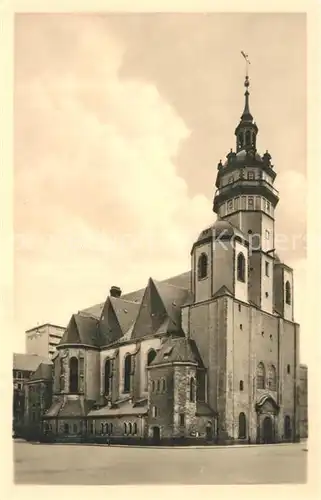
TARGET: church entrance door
(267,430)
(209,433)
(156,434)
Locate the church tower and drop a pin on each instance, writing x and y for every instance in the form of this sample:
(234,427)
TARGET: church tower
(245,196)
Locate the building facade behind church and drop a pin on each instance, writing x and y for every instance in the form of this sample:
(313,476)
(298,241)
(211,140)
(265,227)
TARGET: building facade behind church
(209,355)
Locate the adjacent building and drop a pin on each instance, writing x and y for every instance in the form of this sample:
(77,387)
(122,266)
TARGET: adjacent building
(24,365)
(43,339)
(209,355)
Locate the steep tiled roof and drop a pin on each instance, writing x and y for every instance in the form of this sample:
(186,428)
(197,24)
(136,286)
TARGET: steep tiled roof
(126,312)
(117,318)
(109,326)
(54,409)
(160,310)
(203,409)
(222,291)
(72,408)
(69,408)
(82,329)
(123,409)
(43,372)
(181,280)
(27,362)
(178,349)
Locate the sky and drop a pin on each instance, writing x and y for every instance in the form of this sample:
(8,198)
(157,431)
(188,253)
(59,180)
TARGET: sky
(120,122)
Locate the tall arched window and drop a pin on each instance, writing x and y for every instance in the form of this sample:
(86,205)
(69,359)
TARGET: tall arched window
(272,378)
(287,427)
(241,385)
(288,292)
(241,267)
(110,428)
(150,358)
(248,138)
(240,140)
(127,373)
(125,428)
(192,390)
(62,375)
(201,385)
(202,266)
(129,428)
(260,376)
(108,373)
(134,428)
(73,380)
(242,426)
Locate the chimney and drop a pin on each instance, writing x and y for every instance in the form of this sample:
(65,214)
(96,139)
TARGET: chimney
(115,291)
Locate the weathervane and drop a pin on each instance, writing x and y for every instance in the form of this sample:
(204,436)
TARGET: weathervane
(246,57)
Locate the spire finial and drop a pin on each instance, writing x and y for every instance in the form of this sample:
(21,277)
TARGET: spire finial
(247,62)
(246,113)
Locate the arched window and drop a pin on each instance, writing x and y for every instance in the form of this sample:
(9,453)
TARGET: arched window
(260,376)
(108,373)
(129,428)
(153,385)
(62,374)
(110,428)
(248,138)
(192,390)
(272,378)
(125,428)
(241,267)
(75,428)
(73,380)
(127,373)
(66,428)
(106,428)
(102,429)
(240,138)
(158,385)
(288,292)
(163,385)
(151,356)
(287,427)
(201,385)
(242,426)
(241,385)
(134,428)
(202,266)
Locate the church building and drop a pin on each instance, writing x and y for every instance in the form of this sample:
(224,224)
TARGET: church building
(210,355)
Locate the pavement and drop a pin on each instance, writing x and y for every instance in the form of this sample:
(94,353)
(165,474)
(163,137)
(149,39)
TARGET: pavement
(284,463)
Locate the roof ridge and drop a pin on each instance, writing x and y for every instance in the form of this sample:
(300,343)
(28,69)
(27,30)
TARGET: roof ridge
(162,283)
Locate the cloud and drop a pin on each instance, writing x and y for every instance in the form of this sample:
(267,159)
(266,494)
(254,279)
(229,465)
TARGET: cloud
(98,199)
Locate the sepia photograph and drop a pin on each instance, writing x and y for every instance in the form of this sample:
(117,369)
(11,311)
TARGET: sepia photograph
(160,249)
